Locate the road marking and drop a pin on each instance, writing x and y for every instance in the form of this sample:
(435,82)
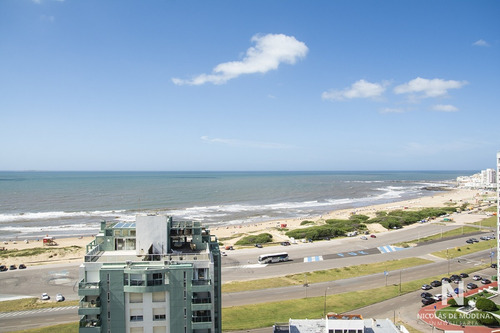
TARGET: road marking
(389,248)
(314,258)
(28,312)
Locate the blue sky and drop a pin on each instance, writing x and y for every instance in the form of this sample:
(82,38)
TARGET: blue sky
(249,85)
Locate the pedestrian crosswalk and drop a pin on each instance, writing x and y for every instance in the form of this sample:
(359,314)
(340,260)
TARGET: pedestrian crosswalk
(32,312)
(313,258)
(390,248)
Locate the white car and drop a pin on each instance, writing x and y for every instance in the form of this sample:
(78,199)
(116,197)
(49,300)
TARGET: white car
(363,238)
(60,298)
(45,297)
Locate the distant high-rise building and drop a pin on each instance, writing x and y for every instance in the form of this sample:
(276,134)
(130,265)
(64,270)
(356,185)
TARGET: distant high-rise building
(153,275)
(498,214)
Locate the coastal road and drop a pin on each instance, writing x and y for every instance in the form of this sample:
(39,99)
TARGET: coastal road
(241,265)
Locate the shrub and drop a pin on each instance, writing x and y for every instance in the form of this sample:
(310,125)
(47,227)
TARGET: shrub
(487,319)
(485,304)
(254,239)
(306,222)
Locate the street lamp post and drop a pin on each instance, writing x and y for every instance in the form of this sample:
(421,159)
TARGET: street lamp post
(448,258)
(324,307)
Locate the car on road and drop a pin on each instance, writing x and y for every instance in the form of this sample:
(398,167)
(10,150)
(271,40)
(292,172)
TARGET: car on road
(464,275)
(22,266)
(469,241)
(373,236)
(435,283)
(45,297)
(60,298)
(485,281)
(428,301)
(494,266)
(259,246)
(426,287)
(3,268)
(471,285)
(438,297)
(455,278)
(363,238)
(285,243)
(12,267)
(224,254)
(445,279)
(477,278)
(425,294)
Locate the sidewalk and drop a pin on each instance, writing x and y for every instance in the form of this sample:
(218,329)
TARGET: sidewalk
(428,314)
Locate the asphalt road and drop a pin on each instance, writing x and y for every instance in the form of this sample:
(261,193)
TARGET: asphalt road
(241,265)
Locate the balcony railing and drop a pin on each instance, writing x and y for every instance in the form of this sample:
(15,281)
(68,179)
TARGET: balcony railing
(88,285)
(90,323)
(201,319)
(200,282)
(202,300)
(91,304)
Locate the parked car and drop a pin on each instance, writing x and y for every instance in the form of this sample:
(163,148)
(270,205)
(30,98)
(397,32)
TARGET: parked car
(458,291)
(3,268)
(426,287)
(223,254)
(438,297)
(494,266)
(285,243)
(363,238)
(474,240)
(484,237)
(477,278)
(469,241)
(12,267)
(425,294)
(373,236)
(427,301)
(258,245)
(60,298)
(471,285)
(485,281)
(464,275)
(22,266)
(435,283)
(445,279)
(45,297)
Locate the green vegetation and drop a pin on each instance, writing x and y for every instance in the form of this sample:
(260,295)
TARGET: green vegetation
(266,314)
(324,275)
(466,249)
(485,304)
(255,239)
(66,328)
(31,304)
(487,222)
(306,222)
(400,218)
(331,228)
(39,250)
(446,234)
(491,209)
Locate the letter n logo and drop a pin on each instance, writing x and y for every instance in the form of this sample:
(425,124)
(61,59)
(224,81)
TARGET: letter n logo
(447,289)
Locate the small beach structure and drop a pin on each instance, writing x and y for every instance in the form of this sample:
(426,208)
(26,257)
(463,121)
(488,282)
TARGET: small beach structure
(49,241)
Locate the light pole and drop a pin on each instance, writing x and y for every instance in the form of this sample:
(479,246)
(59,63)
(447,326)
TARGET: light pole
(324,307)
(448,258)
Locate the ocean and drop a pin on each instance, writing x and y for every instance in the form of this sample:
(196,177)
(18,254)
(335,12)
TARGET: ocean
(61,204)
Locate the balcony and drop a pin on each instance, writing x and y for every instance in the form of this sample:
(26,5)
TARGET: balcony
(90,326)
(89,288)
(91,307)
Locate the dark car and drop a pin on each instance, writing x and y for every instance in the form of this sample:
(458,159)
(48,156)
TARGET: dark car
(484,237)
(285,243)
(435,283)
(445,279)
(469,241)
(464,275)
(3,268)
(258,245)
(485,281)
(494,266)
(22,266)
(427,301)
(12,267)
(426,295)
(426,287)
(474,240)
(471,285)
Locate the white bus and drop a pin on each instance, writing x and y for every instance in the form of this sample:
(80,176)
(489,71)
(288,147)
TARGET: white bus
(270,258)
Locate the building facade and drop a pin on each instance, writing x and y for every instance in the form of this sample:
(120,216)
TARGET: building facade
(498,215)
(150,276)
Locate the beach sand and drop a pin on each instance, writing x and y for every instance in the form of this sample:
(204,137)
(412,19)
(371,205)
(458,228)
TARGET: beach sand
(230,234)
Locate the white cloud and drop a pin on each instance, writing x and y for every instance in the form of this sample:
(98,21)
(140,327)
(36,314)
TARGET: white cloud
(429,88)
(481,42)
(359,89)
(248,144)
(445,108)
(268,53)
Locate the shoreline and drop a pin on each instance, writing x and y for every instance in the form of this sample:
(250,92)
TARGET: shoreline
(230,234)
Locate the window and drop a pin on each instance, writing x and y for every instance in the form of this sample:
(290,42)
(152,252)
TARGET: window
(135,298)
(136,318)
(136,330)
(159,329)
(159,314)
(159,296)
(136,315)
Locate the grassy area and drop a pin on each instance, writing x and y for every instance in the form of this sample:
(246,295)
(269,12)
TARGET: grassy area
(466,249)
(266,314)
(450,233)
(39,250)
(66,328)
(31,304)
(324,275)
(487,222)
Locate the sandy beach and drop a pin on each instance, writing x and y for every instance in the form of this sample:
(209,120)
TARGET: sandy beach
(230,234)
